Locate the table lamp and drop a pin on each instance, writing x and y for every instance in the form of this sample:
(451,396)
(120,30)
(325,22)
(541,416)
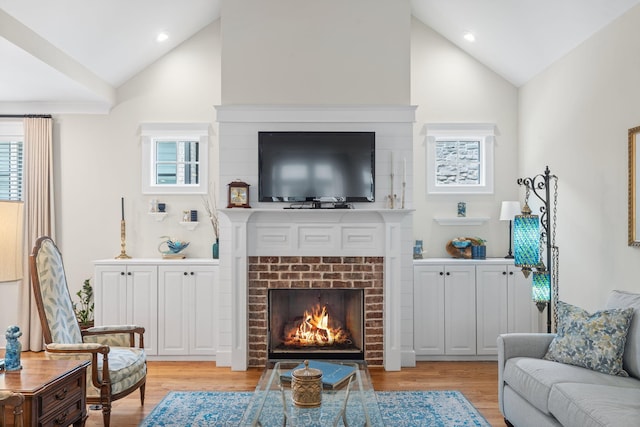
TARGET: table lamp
(508,210)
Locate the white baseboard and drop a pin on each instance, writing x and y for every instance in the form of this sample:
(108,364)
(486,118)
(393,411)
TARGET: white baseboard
(408,359)
(223,358)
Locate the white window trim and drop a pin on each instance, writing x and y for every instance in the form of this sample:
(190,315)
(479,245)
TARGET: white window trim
(151,131)
(485,132)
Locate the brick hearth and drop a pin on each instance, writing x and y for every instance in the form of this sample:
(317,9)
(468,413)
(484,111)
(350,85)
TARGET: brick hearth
(301,272)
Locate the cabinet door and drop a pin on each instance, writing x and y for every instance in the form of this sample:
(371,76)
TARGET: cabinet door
(173,311)
(110,295)
(492,306)
(523,313)
(460,310)
(428,310)
(142,303)
(202,319)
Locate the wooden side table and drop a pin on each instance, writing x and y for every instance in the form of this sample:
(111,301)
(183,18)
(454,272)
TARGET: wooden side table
(54,390)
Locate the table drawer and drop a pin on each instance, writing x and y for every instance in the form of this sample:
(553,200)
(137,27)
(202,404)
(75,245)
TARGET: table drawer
(65,415)
(62,394)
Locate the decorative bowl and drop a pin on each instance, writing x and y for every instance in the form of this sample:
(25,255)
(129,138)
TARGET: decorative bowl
(177,246)
(173,246)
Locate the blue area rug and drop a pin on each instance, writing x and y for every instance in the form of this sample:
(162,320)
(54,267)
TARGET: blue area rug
(398,409)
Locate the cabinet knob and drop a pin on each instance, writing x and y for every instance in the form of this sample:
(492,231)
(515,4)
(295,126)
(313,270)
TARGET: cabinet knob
(504,273)
(448,274)
(185,273)
(191,273)
(60,419)
(122,273)
(441,273)
(129,273)
(61,394)
(511,273)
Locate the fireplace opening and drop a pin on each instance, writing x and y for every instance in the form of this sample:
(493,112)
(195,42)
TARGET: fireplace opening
(316,323)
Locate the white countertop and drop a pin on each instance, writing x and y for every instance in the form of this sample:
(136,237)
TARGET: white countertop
(449,260)
(190,261)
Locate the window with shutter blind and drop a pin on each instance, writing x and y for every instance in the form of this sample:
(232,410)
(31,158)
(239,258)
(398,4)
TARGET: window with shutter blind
(11,160)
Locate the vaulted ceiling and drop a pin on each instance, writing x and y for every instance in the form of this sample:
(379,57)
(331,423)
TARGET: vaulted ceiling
(70,55)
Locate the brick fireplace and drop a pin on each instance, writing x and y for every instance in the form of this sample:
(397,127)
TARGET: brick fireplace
(316,272)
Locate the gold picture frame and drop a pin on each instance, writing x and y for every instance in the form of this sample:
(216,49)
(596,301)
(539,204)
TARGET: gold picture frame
(634,191)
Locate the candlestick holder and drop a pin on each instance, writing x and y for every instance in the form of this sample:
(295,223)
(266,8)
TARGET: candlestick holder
(392,198)
(123,244)
(404,187)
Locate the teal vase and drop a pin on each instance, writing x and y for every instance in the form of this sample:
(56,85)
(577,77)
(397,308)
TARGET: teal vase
(215,249)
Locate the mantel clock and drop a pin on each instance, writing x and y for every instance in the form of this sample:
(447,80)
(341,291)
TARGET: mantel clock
(238,196)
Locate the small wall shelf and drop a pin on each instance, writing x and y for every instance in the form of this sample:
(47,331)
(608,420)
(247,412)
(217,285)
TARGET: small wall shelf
(159,216)
(461,220)
(189,225)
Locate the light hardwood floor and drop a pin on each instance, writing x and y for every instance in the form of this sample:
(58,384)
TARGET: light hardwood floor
(478,381)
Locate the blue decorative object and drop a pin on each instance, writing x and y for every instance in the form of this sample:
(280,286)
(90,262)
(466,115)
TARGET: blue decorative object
(173,246)
(417,250)
(13,349)
(462,209)
(215,249)
(541,287)
(460,244)
(479,251)
(526,240)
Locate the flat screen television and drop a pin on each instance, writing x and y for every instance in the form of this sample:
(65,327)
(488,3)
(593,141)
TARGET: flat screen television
(316,166)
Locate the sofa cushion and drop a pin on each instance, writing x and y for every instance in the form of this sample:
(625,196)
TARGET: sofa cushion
(533,378)
(631,358)
(594,405)
(595,341)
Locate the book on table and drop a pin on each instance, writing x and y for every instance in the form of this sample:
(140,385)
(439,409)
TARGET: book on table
(333,374)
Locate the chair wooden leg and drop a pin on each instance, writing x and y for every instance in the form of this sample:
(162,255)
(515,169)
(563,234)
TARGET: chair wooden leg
(142,394)
(106,413)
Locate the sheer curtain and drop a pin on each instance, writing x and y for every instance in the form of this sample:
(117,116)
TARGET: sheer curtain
(39,215)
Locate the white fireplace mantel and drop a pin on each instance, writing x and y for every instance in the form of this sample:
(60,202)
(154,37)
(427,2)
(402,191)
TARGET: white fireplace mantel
(287,232)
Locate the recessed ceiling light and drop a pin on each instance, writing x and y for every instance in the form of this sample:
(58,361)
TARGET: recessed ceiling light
(162,36)
(468,36)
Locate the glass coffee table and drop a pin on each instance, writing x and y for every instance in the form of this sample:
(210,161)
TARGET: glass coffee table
(353,403)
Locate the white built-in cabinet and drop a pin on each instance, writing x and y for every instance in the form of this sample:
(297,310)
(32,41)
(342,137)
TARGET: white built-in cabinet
(460,307)
(128,295)
(174,300)
(186,320)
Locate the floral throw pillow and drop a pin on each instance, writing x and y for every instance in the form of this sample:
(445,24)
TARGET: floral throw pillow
(594,341)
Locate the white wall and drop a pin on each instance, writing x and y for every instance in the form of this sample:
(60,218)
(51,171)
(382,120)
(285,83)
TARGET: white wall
(574,118)
(449,86)
(100,156)
(315,52)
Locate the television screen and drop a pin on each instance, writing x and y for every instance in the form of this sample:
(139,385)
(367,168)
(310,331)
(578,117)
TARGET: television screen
(316,166)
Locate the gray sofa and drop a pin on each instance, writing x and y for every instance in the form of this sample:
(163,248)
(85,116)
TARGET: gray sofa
(536,392)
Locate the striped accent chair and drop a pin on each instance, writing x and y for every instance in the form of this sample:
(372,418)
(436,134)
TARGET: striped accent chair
(118,366)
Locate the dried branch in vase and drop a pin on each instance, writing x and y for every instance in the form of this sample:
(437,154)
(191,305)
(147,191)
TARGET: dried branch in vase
(212,211)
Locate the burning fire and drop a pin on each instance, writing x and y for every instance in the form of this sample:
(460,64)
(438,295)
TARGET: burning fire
(316,329)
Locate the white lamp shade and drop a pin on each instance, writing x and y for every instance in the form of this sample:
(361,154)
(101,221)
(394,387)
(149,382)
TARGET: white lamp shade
(509,210)
(11,238)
